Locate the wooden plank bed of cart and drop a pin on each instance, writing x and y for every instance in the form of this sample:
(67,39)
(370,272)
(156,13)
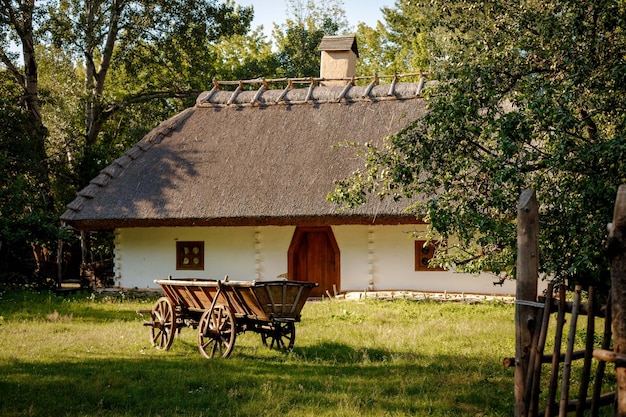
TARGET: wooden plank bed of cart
(222,309)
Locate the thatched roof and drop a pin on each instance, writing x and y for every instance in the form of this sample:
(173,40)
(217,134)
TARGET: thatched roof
(264,157)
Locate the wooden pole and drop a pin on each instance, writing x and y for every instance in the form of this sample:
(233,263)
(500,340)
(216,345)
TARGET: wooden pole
(617,253)
(558,340)
(586,373)
(535,386)
(526,291)
(569,352)
(597,382)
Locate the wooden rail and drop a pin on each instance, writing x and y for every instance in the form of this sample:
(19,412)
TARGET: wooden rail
(617,252)
(533,316)
(314,81)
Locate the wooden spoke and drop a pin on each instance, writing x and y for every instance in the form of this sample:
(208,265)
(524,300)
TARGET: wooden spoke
(216,332)
(163,320)
(281,336)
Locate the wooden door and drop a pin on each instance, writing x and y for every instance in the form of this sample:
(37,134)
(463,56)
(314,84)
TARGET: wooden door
(314,257)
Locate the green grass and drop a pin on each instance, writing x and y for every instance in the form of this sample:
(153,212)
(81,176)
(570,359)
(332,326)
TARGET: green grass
(80,356)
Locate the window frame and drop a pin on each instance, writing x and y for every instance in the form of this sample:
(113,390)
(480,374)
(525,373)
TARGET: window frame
(425,252)
(181,255)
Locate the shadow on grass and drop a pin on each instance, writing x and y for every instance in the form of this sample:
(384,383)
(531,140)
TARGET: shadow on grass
(340,353)
(123,377)
(324,379)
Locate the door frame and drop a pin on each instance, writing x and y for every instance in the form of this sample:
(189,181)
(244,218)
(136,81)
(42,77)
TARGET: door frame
(295,243)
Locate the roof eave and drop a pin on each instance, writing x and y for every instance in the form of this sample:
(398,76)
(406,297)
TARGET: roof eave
(110,224)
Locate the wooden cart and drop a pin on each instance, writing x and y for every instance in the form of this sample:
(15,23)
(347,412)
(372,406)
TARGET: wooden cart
(222,309)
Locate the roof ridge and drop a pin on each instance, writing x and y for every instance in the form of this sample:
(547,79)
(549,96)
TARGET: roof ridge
(315,80)
(316,92)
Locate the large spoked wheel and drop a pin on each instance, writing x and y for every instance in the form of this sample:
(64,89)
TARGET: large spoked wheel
(281,336)
(163,324)
(216,332)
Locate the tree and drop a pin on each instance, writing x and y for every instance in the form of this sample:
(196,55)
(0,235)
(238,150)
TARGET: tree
(413,31)
(302,33)
(17,25)
(138,62)
(245,57)
(408,40)
(528,94)
(26,224)
(376,53)
(61,90)
(155,50)
(27,214)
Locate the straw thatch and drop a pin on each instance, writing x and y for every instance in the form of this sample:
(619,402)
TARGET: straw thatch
(264,157)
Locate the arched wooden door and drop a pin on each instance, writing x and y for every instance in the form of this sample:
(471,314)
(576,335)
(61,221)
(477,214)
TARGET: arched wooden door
(314,257)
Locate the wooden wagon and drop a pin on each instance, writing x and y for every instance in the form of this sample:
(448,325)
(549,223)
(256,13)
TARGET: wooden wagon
(222,309)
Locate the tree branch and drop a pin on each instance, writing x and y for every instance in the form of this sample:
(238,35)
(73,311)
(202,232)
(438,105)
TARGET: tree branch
(144,98)
(19,77)
(107,53)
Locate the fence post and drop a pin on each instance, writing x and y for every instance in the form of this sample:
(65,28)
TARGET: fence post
(526,290)
(617,253)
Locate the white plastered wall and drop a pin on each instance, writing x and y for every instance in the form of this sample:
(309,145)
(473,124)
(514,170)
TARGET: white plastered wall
(372,258)
(243,253)
(383,258)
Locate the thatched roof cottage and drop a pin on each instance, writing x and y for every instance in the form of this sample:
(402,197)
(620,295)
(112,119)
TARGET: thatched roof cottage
(237,186)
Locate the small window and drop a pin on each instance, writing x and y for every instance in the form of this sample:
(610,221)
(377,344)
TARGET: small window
(190,255)
(423,254)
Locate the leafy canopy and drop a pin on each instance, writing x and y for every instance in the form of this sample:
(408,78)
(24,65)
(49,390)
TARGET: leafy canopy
(302,33)
(91,78)
(528,95)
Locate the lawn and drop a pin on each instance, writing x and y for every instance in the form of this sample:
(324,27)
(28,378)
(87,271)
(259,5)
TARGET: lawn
(89,356)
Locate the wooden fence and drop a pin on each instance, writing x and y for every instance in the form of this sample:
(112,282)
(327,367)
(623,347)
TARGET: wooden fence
(538,316)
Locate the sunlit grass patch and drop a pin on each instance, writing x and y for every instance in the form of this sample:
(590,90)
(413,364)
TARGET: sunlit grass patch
(351,358)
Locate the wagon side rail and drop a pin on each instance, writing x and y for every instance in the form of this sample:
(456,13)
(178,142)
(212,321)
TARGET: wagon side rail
(189,295)
(282,300)
(256,300)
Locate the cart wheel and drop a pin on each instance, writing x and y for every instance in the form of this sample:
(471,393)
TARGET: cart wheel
(216,332)
(163,326)
(281,336)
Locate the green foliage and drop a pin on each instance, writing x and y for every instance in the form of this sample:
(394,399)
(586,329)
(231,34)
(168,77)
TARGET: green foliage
(410,39)
(300,36)
(173,49)
(61,90)
(24,216)
(422,34)
(140,62)
(377,54)
(102,74)
(241,57)
(161,32)
(528,95)
(15,147)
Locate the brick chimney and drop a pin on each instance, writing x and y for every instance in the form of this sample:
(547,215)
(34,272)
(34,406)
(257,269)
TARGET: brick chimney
(339,54)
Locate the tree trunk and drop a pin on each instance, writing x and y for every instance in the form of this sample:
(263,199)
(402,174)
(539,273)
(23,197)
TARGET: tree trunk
(95,77)
(21,20)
